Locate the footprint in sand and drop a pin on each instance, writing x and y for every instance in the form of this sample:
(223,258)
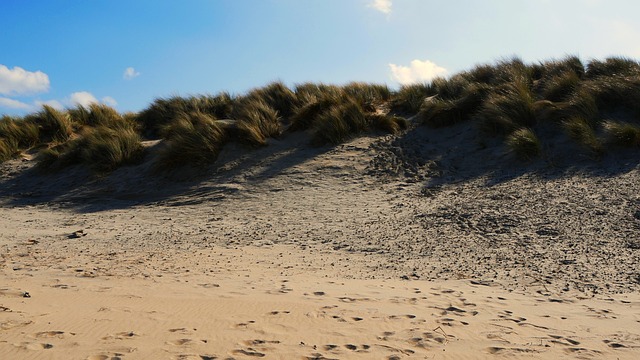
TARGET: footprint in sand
(182,331)
(260,342)
(6,325)
(121,336)
(244,324)
(360,349)
(52,334)
(104,357)
(318,356)
(34,346)
(275,312)
(494,350)
(180,342)
(614,345)
(248,352)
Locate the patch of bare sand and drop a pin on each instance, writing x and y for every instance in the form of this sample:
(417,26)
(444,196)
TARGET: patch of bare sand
(305,253)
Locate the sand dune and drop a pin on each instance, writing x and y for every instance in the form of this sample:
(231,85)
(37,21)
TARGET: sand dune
(312,254)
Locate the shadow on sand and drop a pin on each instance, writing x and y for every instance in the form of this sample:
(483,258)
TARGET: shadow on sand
(77,189)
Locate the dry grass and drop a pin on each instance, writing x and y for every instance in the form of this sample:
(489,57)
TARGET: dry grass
(257,121)
(524,144)
(582,131)
(387,123)
(508,110)
(437,112)
(24,134)
(53,125)
(8,149)
(622,134)
(339,124)
(410,98)
(193,138)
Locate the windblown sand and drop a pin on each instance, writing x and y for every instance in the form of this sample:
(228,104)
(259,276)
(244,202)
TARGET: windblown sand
(354,252)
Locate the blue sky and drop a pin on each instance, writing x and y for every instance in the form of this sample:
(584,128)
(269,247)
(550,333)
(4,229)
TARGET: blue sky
(126,53)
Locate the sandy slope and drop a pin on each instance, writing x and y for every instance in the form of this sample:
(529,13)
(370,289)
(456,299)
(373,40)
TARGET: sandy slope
(289,252)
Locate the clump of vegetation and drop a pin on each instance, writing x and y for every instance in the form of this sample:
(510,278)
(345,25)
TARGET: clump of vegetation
(387,123)
(622,134)
(101,148)
(339,124)
(306,115)
(561,87)
(163,111)
(508,110)
(104,149)
(582,131)
(437,112)
(257,121)
(410,98)
(16,131)
(193,138)
(53,125)
(276,96)
(368,95)
(524,144)
(612,67)
(8,149)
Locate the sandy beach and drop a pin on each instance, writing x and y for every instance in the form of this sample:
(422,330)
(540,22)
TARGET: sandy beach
(350,252)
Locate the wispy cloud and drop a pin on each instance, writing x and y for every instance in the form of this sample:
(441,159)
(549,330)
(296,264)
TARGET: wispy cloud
(417,71)
(130,73)
(384,6)
(14,104)
(18,81)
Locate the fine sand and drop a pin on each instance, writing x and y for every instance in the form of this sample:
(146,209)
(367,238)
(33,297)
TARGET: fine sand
(362,251)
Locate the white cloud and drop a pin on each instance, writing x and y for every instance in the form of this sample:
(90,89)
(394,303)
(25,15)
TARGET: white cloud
(384,6)
(108,100)
(130,73)
(417,71)
(53,103)
(14,104)
(18,81)
(83,98)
